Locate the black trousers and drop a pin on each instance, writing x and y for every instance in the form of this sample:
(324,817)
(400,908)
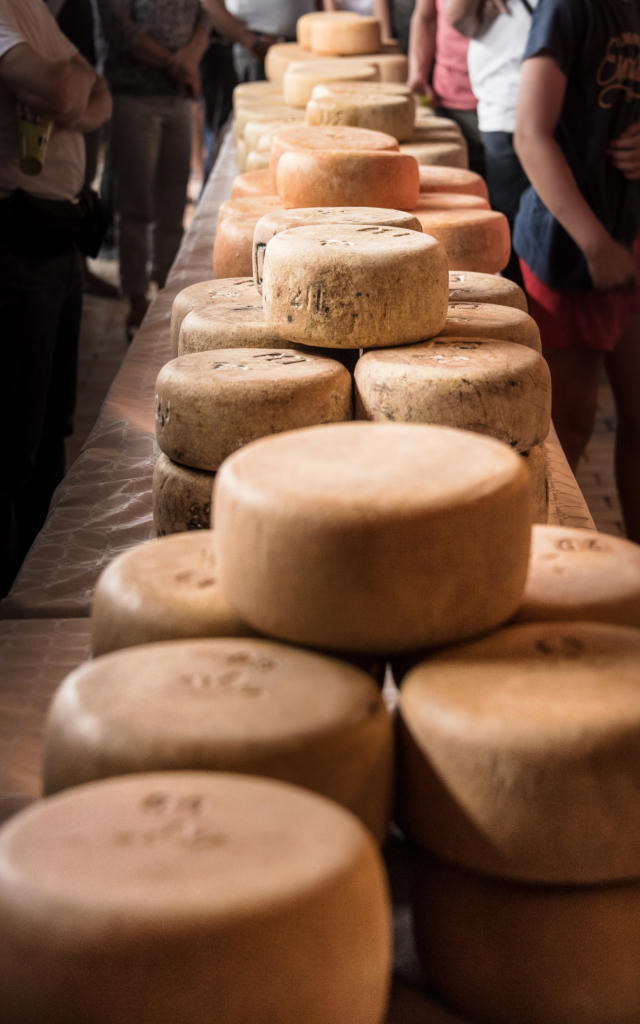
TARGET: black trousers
(506,182)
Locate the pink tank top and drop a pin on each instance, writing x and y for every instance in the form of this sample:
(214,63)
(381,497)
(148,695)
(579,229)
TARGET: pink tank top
(451,84)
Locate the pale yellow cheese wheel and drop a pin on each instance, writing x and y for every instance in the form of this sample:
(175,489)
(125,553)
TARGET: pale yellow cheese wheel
(181,497)
(428,201)
(256,129)
(443,152)
(254,112)
(364,536)
(246,92)
(191,897)
(491,320)
(581,574)
(236,295)
(280,56)
(473,286)
(519,753)
(373,90)
(305,23)
(162,589)
(226,704)
(252,183)
(248,206)
(354,286)
(392,114)
(339,178)
(503,952)
(490,387)
(474,239)
(452,179)
(241,154)
(390,65)
(238,326)
(345,38)
(536,462)
(301,76)
(281,220)
(310,138)
(210,403)
(257,160)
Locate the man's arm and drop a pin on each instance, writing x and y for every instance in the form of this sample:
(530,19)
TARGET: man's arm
(56,89)
(422,45)
(540,98)
(232,28)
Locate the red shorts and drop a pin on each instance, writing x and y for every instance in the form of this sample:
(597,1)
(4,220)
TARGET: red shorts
(580,319)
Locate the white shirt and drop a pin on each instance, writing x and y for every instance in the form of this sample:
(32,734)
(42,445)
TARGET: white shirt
(30,21)
(274,17)
(495,60)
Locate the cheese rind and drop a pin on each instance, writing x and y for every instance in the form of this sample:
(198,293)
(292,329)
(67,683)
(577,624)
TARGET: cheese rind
(472,286)
(490,387)
(490,320)
(229,296)
(501,736)
(474,239)
(346,37)
(220,889)
(181,497)
(210,403)
(252,183)
(310,138)
(446,151)
(390,114)
(354,286)
(581,574)
(452,179)
(347,179)
(536,462)
(301,76)
(305,23)
(344,516)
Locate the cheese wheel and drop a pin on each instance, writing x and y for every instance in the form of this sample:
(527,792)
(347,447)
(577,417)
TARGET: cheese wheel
(246,92)
(474,239)
(301,76)
(429,201)
(191,897)
(489,387)
(392,114)
(233,244)
(347,179)
(345,38)
(363,537)
(472,286)
(210,403)
(436,126)
(390,65)
(336,137)
(214,327)
(372,90)
(305,23)
(241,154)
(581,574)
(502,952)
(536,462)
(252,183)
(252,113)
(162,589)
(278,58)
(238,294)
(257,129)
(228,704)
(446,152)
(257,161)
(248,206)
(281,220)
(489,320)
(354,286)
(518,753)
(181,497)
(452,179)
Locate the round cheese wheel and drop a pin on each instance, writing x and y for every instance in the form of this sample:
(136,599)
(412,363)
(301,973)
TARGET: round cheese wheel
(490,320)
(372,90)
(536,462)
(428,201)
(246,92)
(354,286)
(163,589)
(252,183)
(228,704)
(451,179)
(363,537)
(305,23)
(237,295)
(301,76)
(281,220)
(181,497)
(337,178)
(446,152)
(390,65)
(280,56)
(233,244)
(216,327)
(502,952)
(518,753)
(489,387)
(581,574)
(346,37)
(248,206)
(191,897)
(474,239)
(255,130)
(241,154)
(332,138)
(390,113)
(257,161)
(210,403)
(267,113)
(472,286)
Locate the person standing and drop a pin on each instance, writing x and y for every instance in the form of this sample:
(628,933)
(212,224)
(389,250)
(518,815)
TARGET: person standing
(153,49)
(47,84)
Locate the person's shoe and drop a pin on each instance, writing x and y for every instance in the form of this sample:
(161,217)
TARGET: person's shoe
(138,306)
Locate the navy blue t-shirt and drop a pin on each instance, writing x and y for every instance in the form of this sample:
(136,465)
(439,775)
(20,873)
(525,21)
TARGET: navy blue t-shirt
(596,43)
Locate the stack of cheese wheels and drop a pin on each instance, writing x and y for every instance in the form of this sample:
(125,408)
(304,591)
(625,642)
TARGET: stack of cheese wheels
(281,220)
(518,762)
(226,704)
(379,106)
(300,77)
(339,32)
(192,897)
(354,286)
(233,242)
(441,143)
(210,403)
(348,37)
(578,574)
(368,535)
(163,589)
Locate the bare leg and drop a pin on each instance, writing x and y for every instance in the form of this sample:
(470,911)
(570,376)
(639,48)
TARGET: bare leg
(623,368)
(574,378)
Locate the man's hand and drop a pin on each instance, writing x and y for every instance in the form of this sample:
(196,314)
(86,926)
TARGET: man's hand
(184,70)
(625,152)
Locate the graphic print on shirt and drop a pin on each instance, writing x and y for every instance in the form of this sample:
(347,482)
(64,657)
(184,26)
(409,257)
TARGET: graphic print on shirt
(620,70)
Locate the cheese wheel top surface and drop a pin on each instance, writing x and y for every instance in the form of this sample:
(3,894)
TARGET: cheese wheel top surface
(451,201)
(252,90)
(248,206)
(452,179)
(252,183)
(475,286)
(491,320)
(305,23)
(521,750)
(346,37)
(331,137)
(231,293)
(581,574)
(300,77)
(364,89)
